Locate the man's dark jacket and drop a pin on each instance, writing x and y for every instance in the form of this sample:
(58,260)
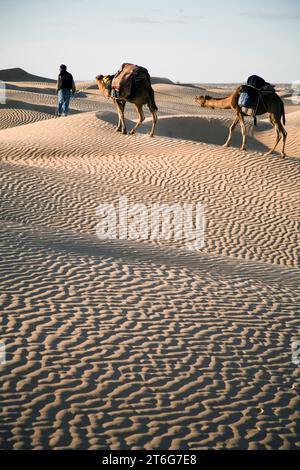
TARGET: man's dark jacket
(65,82)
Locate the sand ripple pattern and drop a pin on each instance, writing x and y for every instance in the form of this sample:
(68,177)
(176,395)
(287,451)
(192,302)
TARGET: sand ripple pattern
(131,345)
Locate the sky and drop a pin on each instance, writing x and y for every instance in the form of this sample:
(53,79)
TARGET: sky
(184,40)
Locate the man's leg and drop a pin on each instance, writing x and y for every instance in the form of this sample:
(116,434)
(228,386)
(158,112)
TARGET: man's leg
(60,100)
(67,95)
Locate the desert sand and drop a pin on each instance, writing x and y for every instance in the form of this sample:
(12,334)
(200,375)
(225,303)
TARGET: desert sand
(125,344)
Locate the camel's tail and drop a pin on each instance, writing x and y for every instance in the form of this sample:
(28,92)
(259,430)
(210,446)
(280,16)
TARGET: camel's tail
(151,100)
(282,112)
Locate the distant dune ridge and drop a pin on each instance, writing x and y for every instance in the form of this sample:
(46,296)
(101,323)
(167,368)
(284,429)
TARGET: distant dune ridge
(155,80)
(20,75)
(129,344)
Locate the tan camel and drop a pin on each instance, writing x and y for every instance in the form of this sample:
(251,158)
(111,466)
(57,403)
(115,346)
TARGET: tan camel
(143,94)
(269,103)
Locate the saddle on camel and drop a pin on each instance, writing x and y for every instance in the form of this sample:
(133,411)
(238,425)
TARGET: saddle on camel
(131,83)
(252,94)
(124,82)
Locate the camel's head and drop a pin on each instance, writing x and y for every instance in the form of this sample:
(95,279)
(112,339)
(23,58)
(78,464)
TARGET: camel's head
(104,84)
(202,100)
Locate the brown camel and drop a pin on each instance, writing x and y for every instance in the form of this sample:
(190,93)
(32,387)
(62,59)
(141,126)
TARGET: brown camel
(270,103)
(143,94)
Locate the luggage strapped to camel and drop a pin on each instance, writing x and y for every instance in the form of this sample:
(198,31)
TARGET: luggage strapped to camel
(125,80)
(252,94)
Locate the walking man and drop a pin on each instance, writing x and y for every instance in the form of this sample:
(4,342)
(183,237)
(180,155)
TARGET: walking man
(65,84)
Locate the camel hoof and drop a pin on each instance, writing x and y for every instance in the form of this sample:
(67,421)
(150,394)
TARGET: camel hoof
(243,149)
(124,132)
(283,155)
(268,153)
(225,145)
(132,132)
(151,135)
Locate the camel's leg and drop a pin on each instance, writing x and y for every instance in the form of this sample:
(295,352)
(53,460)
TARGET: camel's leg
(251,130)
(119,126)
(231,129)
(154,121)
(141,118)
(122,104)
(152,108)
(278,137)
(284,135)
(243,129)
(121,107)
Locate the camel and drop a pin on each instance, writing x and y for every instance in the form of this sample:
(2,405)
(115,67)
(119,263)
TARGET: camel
(143,94)
(269,102)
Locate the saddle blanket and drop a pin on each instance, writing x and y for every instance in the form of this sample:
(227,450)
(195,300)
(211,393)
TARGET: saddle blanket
(123,81)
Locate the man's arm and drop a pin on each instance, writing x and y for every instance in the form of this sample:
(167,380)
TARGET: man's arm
(73,86)
(58,84)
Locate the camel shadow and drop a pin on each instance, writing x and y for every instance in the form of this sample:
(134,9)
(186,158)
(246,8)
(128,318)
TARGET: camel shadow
(195,128)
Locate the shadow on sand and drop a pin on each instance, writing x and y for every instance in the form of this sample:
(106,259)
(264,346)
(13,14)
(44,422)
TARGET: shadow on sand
(195,128)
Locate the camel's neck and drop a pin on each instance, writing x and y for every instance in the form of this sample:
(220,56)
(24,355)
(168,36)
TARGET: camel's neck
(103,90)
(223,103)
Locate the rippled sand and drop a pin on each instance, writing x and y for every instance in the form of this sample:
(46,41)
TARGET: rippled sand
(127,344)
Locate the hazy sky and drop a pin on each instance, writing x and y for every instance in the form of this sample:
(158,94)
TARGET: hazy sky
(186,40)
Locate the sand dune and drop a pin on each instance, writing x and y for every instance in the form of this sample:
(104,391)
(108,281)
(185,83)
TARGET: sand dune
(20,75)
(126,344)
(156,80)
(293,119)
